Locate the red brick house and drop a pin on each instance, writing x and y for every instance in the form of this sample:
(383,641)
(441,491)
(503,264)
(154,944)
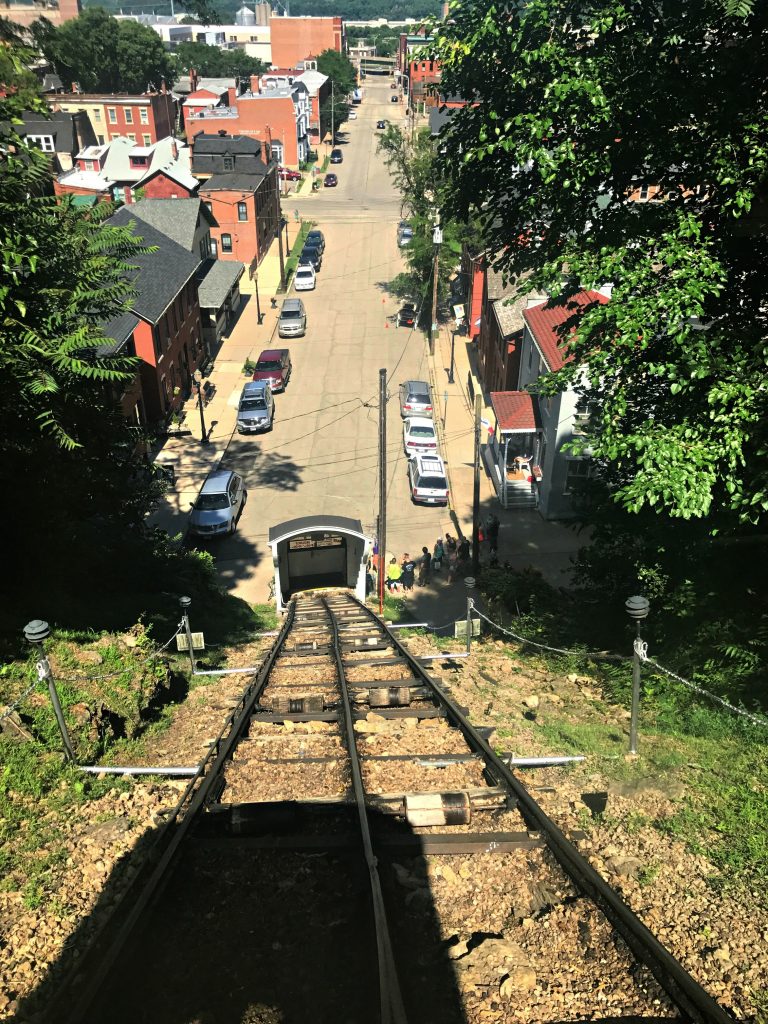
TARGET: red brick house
(167,335)
(143,119)
(242,193)
(119,169)
(279,116)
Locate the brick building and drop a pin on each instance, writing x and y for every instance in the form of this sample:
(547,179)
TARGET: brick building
(24,12)
(279,116)
(118,170)
(61,136)
(241,191)
(142,119)
(167,335)
(295,39)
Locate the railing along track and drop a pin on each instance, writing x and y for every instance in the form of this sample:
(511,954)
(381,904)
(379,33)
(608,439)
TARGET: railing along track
(338,627)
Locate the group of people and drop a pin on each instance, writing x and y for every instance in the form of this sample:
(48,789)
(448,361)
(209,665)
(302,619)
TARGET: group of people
(448,553)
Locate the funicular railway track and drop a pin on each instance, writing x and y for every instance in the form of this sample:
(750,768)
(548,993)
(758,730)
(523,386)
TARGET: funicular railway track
(345,764)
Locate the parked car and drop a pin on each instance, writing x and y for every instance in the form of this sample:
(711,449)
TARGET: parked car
(429,484)
(337,157)
(407,315)
(415,399)
(316,238)
(292,322)
(404,234)
(304,279)
(274,367)
(330,181)
(394,99)
(352,115)
(256,408)
(311,255)
(288,175)
(381,123)
(217,507)
(419,436)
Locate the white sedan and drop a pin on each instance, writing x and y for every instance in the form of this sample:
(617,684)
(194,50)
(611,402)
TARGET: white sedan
(419,436)
(304,278)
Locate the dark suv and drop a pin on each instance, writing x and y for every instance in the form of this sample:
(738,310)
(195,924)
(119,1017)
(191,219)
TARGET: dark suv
(311,254)
(337,157)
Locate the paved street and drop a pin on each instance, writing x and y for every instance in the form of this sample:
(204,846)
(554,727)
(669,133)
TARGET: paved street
(321,456)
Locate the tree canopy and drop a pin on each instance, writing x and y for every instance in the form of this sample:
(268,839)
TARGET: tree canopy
(576,107)
(103,54)
(214,62)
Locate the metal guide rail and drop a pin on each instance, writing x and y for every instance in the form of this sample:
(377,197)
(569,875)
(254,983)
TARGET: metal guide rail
(336,668)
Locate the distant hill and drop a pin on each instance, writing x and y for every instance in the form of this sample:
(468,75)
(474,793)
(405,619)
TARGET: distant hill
(355,10)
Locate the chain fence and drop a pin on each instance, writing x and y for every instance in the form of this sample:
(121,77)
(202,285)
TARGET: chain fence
(571,652)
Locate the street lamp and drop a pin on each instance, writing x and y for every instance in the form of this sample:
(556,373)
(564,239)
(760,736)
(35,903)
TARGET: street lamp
(637,609)
(36,632)
(197,378)
(437,239)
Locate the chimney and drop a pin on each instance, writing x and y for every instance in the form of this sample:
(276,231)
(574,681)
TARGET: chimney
(174,149)
(163,86)
(193,80)
(266,152)
(231,95)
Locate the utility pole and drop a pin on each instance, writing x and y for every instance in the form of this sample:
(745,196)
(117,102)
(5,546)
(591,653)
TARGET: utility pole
(476,490)
(437,238)
(333,129)
(382,485)
(278,211)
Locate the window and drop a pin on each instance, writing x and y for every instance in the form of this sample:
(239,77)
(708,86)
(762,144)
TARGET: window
(137,161)
(132,138)
(205,246)
(128,115)
(577,471)
(101,139)
(226,243)
(43,142)
(644,192)
(143,115)
(229,162)
(164,390)
(214,248)
(114,135)
(97,115)
(147,140)
(242,211)
(112,114)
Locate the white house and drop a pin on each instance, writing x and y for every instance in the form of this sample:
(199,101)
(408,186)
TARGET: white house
(525,453)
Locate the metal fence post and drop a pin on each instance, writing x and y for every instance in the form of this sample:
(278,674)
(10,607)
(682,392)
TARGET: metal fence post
(185,602)
(637,609)
(36,632)
(470,606)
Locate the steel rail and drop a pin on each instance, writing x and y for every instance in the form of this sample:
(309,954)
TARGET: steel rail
(390,995)
(174,831)
(687,994)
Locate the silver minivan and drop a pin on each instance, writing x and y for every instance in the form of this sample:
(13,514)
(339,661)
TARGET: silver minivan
(293,319)
(256,408)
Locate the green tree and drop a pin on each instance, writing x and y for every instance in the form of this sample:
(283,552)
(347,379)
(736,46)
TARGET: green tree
(577,106)
(412,165)
(214,62)
(338,67)
(103,54)
(66,451)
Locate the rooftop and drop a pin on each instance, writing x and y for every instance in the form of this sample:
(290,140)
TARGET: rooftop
(516,412)
(215,286)
(176,218)
(159,276)
(551,322)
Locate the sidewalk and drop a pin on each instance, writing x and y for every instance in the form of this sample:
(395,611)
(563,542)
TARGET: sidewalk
(191,459)
(525,539)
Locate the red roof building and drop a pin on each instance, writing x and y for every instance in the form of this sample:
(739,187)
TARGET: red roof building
(550,323)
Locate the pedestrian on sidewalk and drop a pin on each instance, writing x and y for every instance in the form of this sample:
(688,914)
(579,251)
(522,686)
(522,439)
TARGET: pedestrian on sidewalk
(451,549)
(425,564)
(408,567)
(394,575)
(492,525)
(462,556)
(438,554)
